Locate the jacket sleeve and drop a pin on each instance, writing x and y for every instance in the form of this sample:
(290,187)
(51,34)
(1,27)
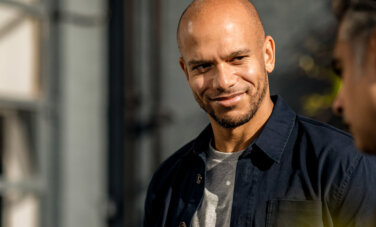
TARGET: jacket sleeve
(150,215)
(158,197)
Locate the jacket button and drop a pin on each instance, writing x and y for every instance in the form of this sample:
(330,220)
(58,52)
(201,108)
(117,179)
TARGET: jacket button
(182,224)
(198,179)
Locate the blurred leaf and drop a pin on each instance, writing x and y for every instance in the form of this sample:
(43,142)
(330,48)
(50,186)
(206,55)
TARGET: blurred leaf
(315,103)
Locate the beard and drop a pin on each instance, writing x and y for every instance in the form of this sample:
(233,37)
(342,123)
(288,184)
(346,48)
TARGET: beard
(233,122)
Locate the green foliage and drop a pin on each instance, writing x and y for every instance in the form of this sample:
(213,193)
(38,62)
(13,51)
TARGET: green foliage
(315,103)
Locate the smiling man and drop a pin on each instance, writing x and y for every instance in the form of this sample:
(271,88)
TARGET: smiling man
(257,163)
(355,61)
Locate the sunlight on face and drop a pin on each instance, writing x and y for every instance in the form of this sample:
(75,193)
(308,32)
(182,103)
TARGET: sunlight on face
(225,68)
(356,100)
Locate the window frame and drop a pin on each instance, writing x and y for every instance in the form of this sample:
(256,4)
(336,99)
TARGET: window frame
(45,111)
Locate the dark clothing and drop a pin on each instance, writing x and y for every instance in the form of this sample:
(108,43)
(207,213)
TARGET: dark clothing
(297,173)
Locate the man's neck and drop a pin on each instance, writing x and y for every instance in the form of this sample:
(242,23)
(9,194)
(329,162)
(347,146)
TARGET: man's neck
(239,138)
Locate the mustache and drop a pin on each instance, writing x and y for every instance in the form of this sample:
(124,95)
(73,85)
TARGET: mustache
(226,93)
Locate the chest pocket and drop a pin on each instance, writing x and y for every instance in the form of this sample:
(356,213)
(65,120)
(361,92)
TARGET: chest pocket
(290,213)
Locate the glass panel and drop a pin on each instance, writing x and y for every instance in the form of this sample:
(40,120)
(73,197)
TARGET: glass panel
(20,209)
(20,206)
(19,54)
(17,158)
(28,1)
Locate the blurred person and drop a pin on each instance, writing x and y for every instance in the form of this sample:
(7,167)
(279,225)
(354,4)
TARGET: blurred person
(258,163)
(355,62)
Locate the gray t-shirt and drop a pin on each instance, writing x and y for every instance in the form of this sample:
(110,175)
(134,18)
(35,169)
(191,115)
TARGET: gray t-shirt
(215,209)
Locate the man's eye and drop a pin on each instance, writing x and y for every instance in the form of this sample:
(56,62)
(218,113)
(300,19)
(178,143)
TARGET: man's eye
(202,67)
(237,58)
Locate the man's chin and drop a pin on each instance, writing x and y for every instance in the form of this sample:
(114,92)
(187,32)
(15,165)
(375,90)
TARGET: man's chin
(231,123)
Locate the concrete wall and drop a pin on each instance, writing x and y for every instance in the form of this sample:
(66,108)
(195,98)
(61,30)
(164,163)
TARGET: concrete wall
(83,86)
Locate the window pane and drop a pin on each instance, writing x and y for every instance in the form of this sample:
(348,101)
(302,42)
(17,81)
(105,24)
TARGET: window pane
(20,209)
(20,204)
(17,156)
(19,54)
(27,1)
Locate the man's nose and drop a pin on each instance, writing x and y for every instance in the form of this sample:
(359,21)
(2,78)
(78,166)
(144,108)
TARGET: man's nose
(224,77)
(337,106)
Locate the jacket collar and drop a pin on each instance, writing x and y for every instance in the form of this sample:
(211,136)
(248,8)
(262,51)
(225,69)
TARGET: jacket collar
(277,130)
(273,137)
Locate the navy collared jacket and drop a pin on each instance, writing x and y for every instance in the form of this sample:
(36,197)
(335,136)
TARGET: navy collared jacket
(297,173)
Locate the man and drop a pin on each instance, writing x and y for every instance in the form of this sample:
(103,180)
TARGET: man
(355,60)
(257,163)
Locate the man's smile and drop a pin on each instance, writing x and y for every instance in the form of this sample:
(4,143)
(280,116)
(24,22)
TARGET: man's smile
(228,100)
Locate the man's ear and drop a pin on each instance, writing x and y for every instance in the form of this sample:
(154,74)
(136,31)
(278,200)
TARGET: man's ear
(183,67)
(269,54)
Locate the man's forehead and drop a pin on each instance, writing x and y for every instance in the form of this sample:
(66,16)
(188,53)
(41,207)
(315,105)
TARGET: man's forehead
(225,32)
(190,26)
(211,14)
(200,29)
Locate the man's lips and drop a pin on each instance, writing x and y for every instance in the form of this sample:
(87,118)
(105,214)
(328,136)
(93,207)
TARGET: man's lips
(228,100)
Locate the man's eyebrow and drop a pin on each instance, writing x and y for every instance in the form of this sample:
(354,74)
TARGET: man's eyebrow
(198,62)
(232,55)
(239,52)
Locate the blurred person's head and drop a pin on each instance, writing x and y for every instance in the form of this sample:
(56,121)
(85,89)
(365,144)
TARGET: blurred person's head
(226,57)
(355,61)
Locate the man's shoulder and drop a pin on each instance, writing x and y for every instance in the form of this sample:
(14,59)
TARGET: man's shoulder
(180,162)
(164,178)
(169,167)
(323,133)
(175,158)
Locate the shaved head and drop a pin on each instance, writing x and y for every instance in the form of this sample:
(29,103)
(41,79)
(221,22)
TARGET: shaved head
(206,11)
(226,58)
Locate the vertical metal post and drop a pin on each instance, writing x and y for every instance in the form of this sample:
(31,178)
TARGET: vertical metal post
(1,163)
(131,101)
(49,128)
(116,113)
(124,123)
(156,81)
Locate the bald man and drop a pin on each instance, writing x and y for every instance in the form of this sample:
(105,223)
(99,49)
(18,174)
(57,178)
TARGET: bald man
(257,163)
(355,61)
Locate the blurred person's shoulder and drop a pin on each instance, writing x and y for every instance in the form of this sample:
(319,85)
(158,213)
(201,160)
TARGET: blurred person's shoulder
(327,142)
(323,134)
